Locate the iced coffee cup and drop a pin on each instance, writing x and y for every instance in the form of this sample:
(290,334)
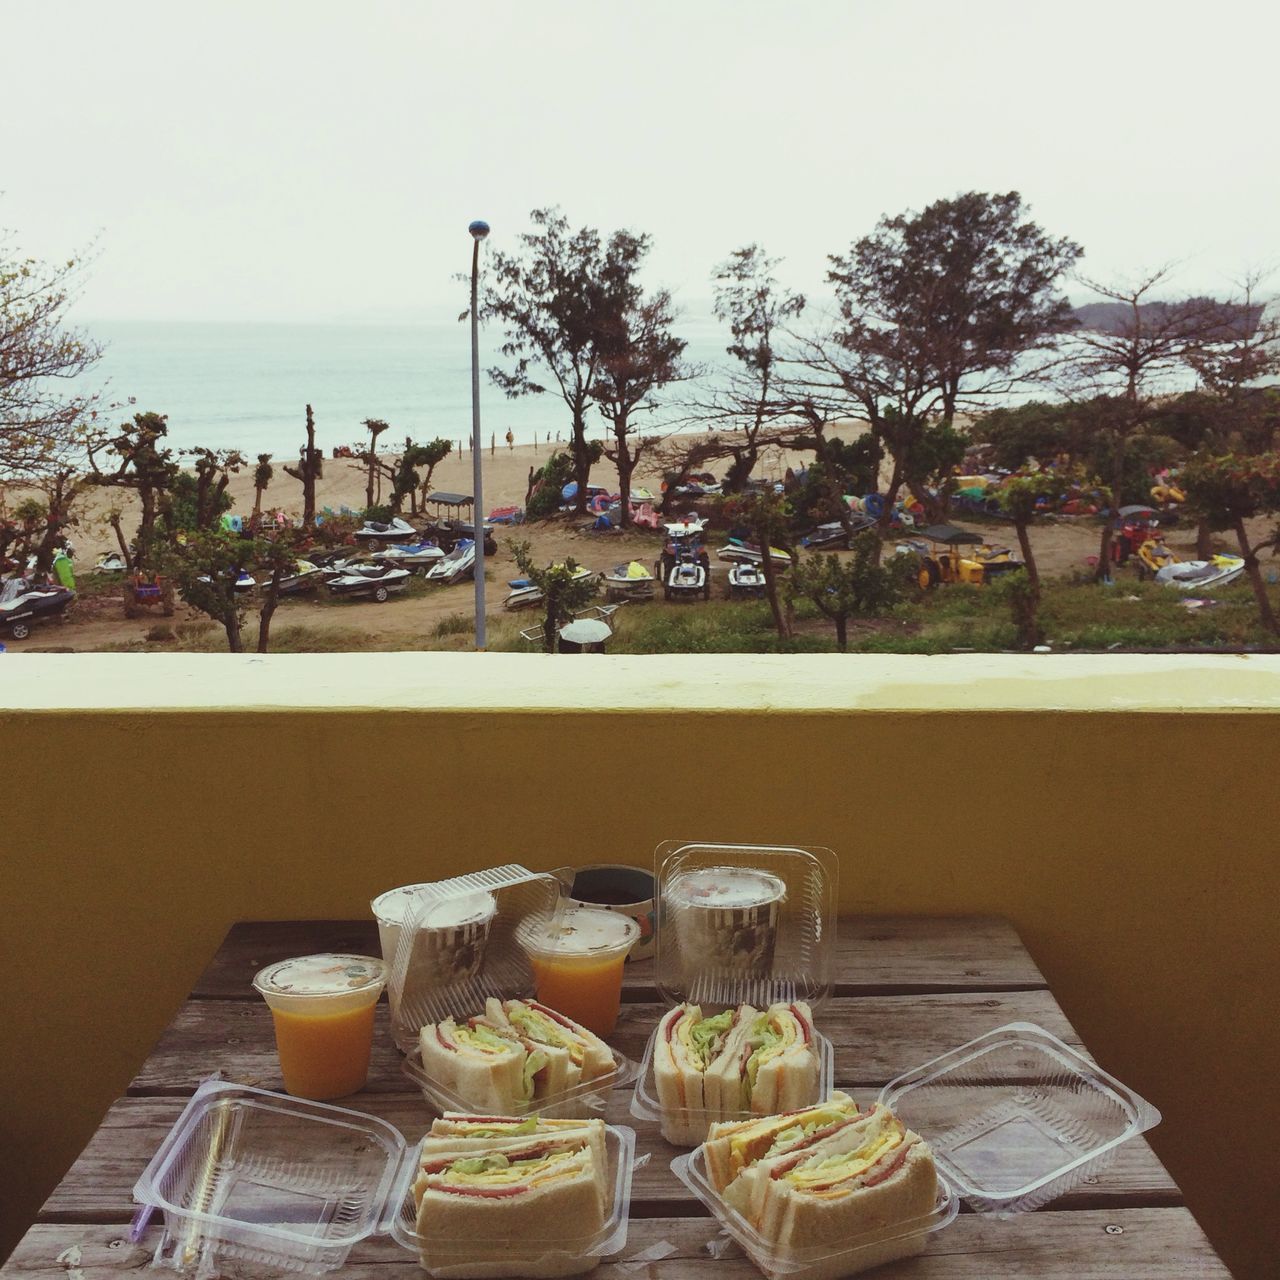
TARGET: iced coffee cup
(449,940)
(725,920)
(577,957)
(322,1007)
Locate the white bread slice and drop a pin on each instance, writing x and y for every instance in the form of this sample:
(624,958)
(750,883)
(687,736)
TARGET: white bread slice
(486,1081)
(679,1085)
(864,1213)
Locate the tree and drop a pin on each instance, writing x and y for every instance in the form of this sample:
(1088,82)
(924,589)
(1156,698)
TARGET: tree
(1226,491)
(562,591)
(137,458)
(375,427)
(1122,368)
(263,474)
(213,471)
(310,468)
(857,587)
(750,300)
(547,297)
(767,517)
(405,478)
(639,356)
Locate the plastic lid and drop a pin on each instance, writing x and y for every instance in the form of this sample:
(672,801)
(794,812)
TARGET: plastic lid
(458,911)
(326,974)
(579,931)
(726,887)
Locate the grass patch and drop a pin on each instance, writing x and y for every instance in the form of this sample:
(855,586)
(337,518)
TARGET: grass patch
(454,624)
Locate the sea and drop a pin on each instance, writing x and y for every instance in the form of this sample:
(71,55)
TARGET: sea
(246,386)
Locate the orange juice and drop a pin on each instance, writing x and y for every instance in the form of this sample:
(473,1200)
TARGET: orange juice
(322,1007)
(577,959)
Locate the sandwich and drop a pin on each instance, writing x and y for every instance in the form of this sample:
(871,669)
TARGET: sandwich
(539,1195)
(732,1064)
(856,1186)
(514,1055)
(733,1145)
(474,1061)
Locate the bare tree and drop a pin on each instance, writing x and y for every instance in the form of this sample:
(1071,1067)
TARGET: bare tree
(375,427)
(310,468)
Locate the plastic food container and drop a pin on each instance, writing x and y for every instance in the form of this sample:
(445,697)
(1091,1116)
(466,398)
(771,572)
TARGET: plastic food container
(275,1181)
(739,924)
(861,1254)
(1016,1117)
(751,924)
(523,900)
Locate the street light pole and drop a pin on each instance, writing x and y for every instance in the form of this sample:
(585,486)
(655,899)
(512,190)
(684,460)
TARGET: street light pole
(478,231)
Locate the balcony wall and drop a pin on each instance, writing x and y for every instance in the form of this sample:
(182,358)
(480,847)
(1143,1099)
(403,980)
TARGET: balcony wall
(1122,812)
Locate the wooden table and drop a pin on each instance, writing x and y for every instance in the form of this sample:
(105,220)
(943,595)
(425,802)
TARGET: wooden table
(910,988)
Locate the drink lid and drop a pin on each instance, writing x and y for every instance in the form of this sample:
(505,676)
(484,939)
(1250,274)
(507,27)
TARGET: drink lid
(327,974)
(393,906)
(579,931)
(457,911)
(726,887)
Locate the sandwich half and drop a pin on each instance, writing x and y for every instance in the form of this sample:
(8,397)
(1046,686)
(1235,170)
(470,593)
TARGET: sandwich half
(491,1071)
(686,1045)
(781,1071)
(588,1057)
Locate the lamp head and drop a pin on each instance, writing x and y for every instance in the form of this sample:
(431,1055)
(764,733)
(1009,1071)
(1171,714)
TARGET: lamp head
(479,229)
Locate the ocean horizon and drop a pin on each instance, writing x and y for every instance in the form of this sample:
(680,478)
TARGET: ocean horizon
(229,385)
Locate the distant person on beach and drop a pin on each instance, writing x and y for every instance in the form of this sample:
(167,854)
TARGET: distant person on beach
(511,440)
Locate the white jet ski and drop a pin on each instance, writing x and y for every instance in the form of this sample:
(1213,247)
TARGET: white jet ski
(395,530)
(1201,575)
(381,582)
(746,581)
(460,563)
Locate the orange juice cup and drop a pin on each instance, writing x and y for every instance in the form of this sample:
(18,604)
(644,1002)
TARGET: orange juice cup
(577,957)
(322,1007)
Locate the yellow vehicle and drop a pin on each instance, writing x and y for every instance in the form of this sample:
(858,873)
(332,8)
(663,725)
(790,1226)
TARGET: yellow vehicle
(944,560)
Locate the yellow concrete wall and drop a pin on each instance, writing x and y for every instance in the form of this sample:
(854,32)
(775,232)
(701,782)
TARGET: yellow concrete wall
(133,839)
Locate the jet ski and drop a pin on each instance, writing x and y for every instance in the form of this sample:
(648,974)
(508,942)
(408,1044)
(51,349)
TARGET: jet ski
(1201,575)
(460,563)
(395,530)
(525,595)
(746,581)
(827,537)
(23,604)
(245,581)
(687,577)
(111,562)
(739,552)
(630,581)
(378,582)
(416,555)
(304,577)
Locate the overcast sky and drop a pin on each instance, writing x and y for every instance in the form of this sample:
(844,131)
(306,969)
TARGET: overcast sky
(321,160)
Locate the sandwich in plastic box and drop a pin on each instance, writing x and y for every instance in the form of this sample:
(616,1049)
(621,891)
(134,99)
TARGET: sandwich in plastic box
(267,1179)
(739,924)
(1014,1118)
(417,997)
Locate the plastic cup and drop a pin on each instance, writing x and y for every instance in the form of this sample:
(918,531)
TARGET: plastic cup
(322,1007)
(449,944)
(726,919)
(577,957)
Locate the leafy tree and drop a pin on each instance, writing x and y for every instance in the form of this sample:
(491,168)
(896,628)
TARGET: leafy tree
(213,471)
(639,355)
(1226,491)
(562,593)
(549,482)
(137,458)
(548,299)
(1037,430)
(310,468)
(369,456)
(857,587)
(767,516)
(263,474)
(407,480)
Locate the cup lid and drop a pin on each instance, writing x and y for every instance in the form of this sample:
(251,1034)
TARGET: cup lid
(325,974)
(579,931)
(457,911)
(726,887)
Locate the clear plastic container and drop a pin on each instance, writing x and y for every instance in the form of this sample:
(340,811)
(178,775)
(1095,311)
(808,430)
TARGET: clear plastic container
(280,1182)
(738,923)
(688,1127)
(902,1240)
(418,997)
(1016,1117)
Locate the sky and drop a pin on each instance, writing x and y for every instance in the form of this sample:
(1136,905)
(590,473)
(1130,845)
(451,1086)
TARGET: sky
(283,160)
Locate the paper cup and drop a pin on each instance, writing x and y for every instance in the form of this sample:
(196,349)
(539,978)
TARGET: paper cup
(615,887)
(725,919)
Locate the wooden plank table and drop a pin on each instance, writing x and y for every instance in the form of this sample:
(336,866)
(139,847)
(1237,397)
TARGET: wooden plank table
(909,988)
